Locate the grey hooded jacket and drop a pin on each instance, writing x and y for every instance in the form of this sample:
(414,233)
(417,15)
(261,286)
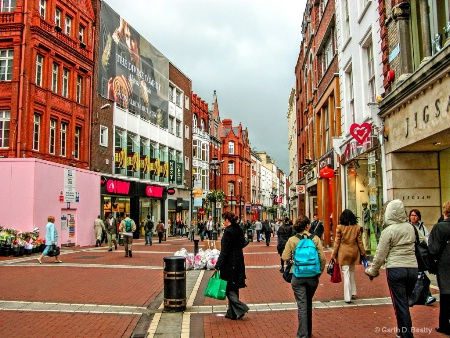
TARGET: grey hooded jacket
(396,246)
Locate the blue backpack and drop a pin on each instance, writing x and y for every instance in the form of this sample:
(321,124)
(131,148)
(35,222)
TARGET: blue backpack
(306,258)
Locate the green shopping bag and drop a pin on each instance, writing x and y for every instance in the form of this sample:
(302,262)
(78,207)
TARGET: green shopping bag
(216,287)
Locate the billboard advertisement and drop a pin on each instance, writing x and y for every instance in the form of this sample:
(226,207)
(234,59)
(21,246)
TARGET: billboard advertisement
(132,72)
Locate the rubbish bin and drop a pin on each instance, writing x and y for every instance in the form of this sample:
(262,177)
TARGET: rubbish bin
(214,235)
(250,235)
(120,239)
(174,284)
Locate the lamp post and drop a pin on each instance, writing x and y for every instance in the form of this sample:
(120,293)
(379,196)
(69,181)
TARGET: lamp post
(214,165)
(240,200)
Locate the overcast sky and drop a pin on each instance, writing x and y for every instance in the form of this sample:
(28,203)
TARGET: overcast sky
(246,50)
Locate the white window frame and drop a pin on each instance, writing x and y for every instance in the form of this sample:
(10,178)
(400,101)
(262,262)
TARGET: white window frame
(52,137)
(195,149)
(5,128)
(178,128)
(171,124)
(58,17)
(81,30)
(36,131)
(65,82)
(42,8)
(6,64)
(68,25)
(7,5)
(370,72)
(39,67)
(186,132)
(230,168)
(351,95)
(77,142)
(103,136)
(231,147)
(55,72)
(186,163)
(63,139)
(79,93)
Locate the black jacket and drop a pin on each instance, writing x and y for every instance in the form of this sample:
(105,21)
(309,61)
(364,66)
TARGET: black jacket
(439,244)
(231,259)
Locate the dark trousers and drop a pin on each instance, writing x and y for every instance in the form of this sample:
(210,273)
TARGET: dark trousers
(444,312)
(160,236)
(401,282)
(258,235)
(304,289)
(267,233)
(236,308)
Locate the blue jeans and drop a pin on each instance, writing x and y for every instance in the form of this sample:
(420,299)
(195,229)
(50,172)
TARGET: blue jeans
(401,282)
(149,237)
(304,289)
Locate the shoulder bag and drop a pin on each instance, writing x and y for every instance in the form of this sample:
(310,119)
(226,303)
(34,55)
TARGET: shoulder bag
(287,274)
(421,251)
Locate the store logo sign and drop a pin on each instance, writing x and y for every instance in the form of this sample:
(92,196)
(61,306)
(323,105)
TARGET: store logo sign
(154,191)
(118,187)
(360,131)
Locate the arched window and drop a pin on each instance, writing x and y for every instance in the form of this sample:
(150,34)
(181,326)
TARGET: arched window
(194,121)
(202,125)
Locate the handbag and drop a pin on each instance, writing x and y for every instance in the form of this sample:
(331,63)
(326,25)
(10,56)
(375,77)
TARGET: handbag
(421,251)
(330,267)
(216,287)
(336,276)
(420,292)
(287,274)
(54,251)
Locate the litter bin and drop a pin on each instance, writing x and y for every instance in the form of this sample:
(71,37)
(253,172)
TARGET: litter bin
(250,235)
(174,284)
(214,235)
(120,239)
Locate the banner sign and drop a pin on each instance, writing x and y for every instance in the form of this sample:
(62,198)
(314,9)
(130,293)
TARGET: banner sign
(70,185)
(172,171)
(179,173)
(132,72)
(197,193)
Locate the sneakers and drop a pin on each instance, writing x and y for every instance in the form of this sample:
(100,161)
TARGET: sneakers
(430,300)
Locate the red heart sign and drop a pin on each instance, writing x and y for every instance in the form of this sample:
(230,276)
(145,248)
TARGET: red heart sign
(360,132)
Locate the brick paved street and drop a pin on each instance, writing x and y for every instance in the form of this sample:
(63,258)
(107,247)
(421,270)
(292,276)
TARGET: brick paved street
(96,293)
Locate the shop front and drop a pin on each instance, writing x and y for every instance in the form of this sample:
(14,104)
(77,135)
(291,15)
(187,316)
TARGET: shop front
(139,199)
(362,177)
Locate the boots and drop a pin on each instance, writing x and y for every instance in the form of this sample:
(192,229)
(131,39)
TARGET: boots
(97,243)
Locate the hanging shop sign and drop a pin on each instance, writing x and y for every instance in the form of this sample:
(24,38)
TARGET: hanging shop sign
(360,132)
(301,189)
(352,149)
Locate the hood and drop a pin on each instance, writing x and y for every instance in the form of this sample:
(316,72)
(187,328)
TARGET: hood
(395,213)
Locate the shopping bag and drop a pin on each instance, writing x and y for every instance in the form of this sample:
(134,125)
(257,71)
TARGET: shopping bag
(216,287)
(54,251)
(420,292)
(336,277)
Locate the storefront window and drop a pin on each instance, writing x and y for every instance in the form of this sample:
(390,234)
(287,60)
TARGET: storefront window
(120,155)
(145,159)
(133,157)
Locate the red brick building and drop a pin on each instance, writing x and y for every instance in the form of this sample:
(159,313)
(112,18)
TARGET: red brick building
(46,63)
(236,169)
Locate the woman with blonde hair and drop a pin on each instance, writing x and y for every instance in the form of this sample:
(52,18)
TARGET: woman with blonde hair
(51,238)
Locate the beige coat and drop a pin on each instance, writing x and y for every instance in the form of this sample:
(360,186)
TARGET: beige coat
(348,244)
(99,227)
(291,244)
(122,225)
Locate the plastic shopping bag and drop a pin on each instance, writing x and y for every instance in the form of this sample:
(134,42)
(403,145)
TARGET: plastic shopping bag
(216,287)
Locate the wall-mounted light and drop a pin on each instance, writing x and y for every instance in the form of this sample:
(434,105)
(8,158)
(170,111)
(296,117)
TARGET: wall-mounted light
(105,106)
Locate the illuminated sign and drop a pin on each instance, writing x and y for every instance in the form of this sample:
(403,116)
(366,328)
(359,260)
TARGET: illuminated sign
(154,191)
(118,187)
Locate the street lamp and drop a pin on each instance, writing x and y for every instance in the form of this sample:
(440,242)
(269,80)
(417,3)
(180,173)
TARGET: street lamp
(214,165)
(240,200)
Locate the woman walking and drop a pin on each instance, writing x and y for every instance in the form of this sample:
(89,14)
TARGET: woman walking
(231,265)
(284,232)
(396,252)
(348,247)
(51,238)
(304,287)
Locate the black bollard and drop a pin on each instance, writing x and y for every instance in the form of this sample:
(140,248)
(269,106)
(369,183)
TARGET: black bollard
(174,284)
(195,247)
(250,235)
(214,235)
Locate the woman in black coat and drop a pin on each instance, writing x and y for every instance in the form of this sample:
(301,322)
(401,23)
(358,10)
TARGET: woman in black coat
(231,265)
(439,248)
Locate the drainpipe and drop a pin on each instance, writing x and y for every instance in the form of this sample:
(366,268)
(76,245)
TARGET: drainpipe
(21,78)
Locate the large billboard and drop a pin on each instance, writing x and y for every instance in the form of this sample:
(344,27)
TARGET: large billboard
(132,72)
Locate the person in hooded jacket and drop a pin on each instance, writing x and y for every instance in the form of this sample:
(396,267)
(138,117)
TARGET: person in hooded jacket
(285,231)
(231,265)
(396,252)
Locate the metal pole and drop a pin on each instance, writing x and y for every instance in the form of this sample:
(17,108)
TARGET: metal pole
(215,199)
(240,200)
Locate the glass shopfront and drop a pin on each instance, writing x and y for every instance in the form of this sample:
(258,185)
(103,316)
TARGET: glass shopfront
(444,172)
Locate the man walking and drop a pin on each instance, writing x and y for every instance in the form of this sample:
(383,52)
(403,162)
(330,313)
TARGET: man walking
(127,227)
(317,227)
(111,231)
(258,228)
(148,228)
